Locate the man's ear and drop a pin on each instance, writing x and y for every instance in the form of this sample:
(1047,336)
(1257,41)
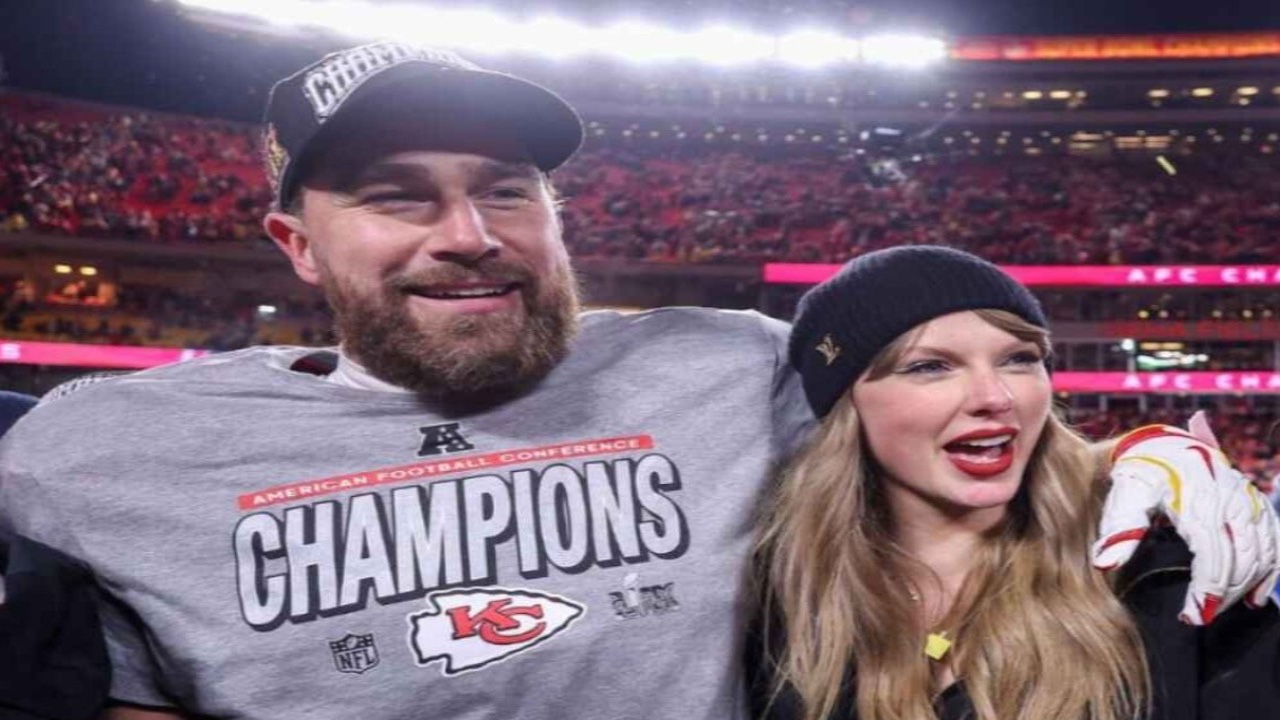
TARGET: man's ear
(290,235)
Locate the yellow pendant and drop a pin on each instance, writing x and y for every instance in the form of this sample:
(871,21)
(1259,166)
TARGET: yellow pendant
(936,645)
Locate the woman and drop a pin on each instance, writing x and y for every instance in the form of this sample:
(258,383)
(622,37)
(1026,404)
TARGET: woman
(927,554)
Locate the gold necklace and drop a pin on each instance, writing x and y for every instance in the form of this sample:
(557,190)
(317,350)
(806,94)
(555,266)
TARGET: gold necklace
(936,645)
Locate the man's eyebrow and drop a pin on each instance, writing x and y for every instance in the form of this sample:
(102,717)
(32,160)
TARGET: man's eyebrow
(486,172)
(492,171)
(392,173)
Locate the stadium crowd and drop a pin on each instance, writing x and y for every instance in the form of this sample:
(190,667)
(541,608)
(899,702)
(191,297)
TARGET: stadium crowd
(79,170)
(159,316)
(84,170)
(76,170)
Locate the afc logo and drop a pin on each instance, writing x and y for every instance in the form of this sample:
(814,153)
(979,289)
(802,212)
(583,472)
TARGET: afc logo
(473,628)
(440,439)
(354,653)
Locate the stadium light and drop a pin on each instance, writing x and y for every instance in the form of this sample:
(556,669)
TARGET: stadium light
(1202,92)
(489,33)
(282,12)
(558,38)
(473,31)
(905,51)
(348,18)
(815,48)
(643,42)
(724,45)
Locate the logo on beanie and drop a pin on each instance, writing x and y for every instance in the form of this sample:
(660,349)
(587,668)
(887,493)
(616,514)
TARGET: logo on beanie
(829,349)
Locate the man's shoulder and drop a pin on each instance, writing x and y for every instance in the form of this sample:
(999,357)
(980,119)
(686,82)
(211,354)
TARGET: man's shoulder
(106,408)
(228,365)
(706,325)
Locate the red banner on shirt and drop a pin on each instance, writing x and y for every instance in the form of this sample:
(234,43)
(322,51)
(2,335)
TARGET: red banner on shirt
(441,467)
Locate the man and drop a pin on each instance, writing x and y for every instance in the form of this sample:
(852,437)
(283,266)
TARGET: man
(51,650)
(483,506)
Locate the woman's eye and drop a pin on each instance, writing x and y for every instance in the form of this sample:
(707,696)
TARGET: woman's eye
(925,367)
(1027,357)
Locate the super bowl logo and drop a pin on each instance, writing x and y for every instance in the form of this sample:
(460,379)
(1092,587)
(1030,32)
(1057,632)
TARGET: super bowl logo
(354,653)
(470,629)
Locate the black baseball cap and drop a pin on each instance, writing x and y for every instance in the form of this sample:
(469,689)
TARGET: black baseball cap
(370,81)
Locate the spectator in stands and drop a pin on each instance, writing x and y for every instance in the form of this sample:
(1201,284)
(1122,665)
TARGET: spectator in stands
(175,179)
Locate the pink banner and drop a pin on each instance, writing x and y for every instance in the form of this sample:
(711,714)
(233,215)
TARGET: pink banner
(91,356)
(1168,382)
(1114,276)
(128,357)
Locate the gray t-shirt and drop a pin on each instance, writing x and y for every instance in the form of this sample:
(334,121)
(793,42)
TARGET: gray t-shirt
(277,546)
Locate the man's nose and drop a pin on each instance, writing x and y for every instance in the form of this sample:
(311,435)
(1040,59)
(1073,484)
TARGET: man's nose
(460,235)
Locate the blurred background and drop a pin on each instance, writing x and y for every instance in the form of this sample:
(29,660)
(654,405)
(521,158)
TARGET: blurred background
(1120,157)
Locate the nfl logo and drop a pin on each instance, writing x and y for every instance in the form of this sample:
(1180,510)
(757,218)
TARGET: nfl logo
(354,653)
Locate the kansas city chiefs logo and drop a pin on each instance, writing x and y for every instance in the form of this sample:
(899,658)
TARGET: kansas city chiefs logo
(473,628)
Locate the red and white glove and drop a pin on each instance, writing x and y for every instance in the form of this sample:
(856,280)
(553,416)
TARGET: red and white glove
(1229,526)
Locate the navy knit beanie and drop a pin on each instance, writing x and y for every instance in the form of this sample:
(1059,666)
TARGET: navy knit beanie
(842,324)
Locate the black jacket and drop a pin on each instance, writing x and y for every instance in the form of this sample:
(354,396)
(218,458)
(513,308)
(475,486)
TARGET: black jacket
(1226,671)
(53,661)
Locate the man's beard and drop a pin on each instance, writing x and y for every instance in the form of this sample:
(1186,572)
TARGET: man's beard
(460,359)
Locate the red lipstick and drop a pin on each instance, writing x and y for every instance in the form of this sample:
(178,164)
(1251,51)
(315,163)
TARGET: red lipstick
(982,460)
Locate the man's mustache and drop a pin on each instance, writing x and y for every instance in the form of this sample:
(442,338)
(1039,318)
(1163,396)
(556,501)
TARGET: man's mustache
(491,272)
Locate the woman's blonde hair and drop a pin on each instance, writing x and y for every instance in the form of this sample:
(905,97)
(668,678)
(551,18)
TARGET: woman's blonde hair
(1038,633)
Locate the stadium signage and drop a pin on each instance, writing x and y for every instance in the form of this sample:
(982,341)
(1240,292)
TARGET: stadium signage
(1207,275)
(1176,330)
(1118,47)
(92,356)
(1167,382)
(1113,276)
(116,356)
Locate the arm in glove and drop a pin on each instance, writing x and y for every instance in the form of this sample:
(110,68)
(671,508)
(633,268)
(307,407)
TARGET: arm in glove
(1228,525)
